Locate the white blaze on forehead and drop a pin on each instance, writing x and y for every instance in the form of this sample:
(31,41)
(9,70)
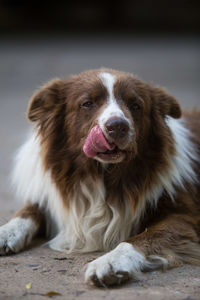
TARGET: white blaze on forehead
(112,109)
(108,81)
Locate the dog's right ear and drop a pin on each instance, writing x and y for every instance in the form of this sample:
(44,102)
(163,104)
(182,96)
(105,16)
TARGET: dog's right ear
(45,100)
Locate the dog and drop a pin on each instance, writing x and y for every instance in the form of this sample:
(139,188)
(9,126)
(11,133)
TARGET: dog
(112,164)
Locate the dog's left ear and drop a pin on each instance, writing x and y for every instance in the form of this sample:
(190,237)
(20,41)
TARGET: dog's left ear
(45,100)
(167,104)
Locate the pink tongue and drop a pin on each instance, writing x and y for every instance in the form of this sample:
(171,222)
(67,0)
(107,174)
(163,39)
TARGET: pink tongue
(96,143)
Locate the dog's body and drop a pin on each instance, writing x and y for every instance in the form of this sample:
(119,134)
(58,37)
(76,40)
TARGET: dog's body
(109,164)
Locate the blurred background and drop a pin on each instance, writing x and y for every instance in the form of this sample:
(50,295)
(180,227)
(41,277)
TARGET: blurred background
(156,40)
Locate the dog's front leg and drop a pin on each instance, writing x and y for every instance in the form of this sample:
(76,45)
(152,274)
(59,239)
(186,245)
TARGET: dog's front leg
(168,243)
(20,230)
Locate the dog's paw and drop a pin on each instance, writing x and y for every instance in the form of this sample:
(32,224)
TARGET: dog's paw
(116,267)
(15,235)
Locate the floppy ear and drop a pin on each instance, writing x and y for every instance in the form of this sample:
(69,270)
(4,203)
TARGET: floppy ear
(45,100)
(167,104)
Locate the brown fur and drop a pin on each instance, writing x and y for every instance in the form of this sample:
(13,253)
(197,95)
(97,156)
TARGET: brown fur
(33,212)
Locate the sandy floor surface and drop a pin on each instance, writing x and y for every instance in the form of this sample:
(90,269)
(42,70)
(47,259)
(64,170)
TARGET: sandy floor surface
(39,270)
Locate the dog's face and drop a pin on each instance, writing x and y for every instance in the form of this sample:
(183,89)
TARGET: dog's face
(103,114)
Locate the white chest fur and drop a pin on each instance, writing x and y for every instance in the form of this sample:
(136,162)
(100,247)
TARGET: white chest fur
(93,224)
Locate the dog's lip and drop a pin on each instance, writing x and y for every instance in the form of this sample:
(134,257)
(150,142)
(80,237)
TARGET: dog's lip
(112,155)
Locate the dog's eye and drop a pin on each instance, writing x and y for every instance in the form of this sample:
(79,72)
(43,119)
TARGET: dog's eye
(134,106)
(88,104)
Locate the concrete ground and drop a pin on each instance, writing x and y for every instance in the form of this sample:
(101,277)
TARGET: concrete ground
(25,64)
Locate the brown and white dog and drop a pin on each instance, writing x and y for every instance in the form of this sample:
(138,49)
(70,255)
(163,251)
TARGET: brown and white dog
(110,165)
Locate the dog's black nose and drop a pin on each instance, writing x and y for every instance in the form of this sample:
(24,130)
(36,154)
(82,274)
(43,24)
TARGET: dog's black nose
(117,128)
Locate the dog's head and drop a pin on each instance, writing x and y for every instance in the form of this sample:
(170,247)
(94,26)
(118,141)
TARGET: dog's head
(104,114)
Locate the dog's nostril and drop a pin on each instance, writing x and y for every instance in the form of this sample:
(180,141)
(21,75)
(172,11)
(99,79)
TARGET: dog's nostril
(117,128)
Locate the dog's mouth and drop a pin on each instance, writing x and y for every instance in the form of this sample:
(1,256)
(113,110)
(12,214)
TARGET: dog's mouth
(98,147)
(114,155)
